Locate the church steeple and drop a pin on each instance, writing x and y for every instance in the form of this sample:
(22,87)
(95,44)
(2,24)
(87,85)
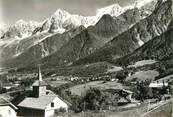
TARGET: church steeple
(39,86)
(39,74)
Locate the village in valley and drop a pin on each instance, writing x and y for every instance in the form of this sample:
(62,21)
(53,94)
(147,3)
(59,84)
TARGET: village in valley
(40,95)
(114,62)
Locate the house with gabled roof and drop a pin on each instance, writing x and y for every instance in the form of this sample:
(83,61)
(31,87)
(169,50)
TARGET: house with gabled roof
(43,103)
(7,109)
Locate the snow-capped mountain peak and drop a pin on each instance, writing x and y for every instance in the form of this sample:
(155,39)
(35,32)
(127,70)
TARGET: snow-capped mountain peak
(113,10)
(142,3)
(62,20)
(55,22)
(60,14)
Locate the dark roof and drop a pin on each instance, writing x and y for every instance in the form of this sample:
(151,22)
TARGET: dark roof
(4,102)
(39,83)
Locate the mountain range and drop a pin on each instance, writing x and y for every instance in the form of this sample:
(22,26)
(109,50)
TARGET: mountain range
(117,35)
(62,20)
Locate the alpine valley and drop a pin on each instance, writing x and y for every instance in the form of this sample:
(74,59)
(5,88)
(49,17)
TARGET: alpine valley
(137,37)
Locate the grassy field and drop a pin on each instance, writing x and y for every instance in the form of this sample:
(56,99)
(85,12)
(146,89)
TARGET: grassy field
(142,63)
(163,110)
(114,69)
(144,75)
(79,89)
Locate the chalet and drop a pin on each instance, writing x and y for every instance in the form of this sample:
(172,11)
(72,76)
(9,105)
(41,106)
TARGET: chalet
(161,87)
(43,102)
(158,84)
(7,109)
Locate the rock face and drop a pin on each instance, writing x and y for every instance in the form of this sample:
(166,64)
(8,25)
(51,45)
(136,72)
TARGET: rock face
(160,48)
(140,33)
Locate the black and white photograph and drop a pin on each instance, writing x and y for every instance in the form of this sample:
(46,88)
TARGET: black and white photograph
(86,58)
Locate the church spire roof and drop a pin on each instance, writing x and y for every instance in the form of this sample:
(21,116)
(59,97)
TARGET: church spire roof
(40,81)
(39,74)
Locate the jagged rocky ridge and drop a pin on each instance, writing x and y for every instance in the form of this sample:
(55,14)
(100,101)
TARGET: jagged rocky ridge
(62,21)
(130,40)
(160,48)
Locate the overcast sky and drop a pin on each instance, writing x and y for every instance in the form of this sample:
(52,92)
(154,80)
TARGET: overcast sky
(38,10)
